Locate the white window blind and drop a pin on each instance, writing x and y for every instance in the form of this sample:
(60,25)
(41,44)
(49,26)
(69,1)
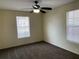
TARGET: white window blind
(73,26)
(23,26)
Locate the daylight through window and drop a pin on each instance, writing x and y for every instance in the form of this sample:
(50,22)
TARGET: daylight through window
(73,26)
(23,26)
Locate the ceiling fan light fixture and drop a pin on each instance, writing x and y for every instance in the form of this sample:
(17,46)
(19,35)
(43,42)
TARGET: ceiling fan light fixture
(36,10)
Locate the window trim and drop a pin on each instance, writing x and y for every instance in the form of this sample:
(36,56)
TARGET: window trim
(71,40)
(29,27)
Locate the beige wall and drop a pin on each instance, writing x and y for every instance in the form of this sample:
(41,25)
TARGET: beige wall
(55,27)
(8,36)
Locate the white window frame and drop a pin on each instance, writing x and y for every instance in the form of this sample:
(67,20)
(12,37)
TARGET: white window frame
(71,25)
(21,32)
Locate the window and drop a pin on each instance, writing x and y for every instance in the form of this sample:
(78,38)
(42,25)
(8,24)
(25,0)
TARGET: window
(73,26)
(23,26)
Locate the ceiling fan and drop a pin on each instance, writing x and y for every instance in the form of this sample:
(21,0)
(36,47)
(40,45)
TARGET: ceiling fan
(37,8)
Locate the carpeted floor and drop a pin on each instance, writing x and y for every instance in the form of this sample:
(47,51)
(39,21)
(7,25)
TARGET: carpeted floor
(40,50)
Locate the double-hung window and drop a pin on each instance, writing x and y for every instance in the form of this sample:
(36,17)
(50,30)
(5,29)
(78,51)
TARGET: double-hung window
(73,26)
(23,26)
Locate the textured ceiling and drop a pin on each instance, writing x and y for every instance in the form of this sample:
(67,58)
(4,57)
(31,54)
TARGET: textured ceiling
(25,5)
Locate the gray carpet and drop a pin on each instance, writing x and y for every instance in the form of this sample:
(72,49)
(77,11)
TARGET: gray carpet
(40,50)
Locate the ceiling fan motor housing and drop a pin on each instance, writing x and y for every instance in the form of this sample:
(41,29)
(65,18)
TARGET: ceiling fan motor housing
(36,6)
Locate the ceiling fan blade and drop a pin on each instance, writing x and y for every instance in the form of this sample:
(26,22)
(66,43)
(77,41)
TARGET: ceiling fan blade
(42,11)
(31,11)
(46,8)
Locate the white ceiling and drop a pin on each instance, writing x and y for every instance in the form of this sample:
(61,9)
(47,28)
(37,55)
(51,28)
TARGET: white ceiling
(25,5)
